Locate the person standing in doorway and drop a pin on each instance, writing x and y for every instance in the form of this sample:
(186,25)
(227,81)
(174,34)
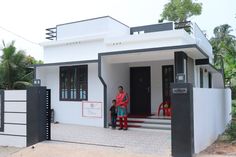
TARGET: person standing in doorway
(122,100)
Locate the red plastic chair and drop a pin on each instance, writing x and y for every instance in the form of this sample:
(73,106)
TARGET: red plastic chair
(166,110)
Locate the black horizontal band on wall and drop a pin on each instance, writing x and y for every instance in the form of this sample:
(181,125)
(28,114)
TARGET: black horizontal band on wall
(15,100)
(13,135)
(15,124)
(17,112)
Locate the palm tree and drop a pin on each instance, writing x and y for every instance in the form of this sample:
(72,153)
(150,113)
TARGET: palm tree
(223,43)
(13,68)
(224,48)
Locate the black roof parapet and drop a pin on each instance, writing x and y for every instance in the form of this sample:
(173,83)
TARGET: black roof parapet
(152,28)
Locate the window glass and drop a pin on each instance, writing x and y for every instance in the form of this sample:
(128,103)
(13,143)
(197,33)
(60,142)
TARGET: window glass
(73,83)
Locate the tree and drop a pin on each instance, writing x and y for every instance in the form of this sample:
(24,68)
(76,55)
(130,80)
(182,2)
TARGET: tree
(14,68)
(180,10)
(224,48)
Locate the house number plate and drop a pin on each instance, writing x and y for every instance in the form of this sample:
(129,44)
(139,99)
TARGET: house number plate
(180,90)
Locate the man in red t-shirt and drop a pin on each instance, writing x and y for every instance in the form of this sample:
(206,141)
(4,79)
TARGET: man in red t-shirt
(122,100)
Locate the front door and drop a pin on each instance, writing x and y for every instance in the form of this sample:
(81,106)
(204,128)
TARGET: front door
(140,91)
(167,78)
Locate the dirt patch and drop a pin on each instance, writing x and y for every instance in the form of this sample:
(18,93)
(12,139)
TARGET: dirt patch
(221,148)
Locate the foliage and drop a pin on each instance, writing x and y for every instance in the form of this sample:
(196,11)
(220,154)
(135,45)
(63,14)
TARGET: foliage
(234,108)
(233,88)
(14,68)
(224,48)
(180,10)
(231,131)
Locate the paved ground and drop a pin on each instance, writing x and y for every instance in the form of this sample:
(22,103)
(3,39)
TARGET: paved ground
(91,141)
(7,151)
(58,149)
(134,141)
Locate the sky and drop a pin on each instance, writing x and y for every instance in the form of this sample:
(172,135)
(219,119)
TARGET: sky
(30,18)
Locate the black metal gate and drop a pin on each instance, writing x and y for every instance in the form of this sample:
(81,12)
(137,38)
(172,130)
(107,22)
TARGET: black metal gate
(38,115)
(48,114)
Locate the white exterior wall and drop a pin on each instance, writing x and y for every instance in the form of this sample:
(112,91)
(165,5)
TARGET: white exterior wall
(115,75)
(119,74)
(106,25)
(156,80)
(14,133)
(202,42)
(117,29)
(148,40)
(71,111)
(191,72)
(205,77)
(83,28)
(217,80)
(211,108)
(87,50)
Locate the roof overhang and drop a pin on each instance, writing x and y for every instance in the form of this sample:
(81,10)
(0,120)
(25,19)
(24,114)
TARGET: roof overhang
(65,63)
(204,63)
(152,54)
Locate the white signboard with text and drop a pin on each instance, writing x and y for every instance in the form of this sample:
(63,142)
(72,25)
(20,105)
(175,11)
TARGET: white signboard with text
(92,109)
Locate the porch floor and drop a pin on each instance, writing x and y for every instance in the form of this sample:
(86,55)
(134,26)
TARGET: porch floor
(136,141)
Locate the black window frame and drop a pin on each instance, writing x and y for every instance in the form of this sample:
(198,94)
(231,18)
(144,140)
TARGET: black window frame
(2,110)
(76,72)
(201,78)
(209,80)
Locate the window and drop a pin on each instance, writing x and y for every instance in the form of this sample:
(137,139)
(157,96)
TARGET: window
(201,78)
(1,110)
(74,83)
(209,80)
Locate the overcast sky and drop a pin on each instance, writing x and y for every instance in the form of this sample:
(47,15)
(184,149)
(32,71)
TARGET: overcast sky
(30,18)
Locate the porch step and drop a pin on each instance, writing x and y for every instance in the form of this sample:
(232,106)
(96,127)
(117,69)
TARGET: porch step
(150,120)
(149,123)
(151,126)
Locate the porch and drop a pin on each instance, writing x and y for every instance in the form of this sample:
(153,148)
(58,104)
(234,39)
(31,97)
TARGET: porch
(146,76)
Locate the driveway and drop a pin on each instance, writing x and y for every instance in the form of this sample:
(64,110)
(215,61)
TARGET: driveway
(134,141)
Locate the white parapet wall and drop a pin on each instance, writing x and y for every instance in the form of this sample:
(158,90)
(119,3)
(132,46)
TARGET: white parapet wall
(14,115)
(212,113)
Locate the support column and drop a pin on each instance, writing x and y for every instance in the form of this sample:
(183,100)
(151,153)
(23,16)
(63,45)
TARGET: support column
(181,75)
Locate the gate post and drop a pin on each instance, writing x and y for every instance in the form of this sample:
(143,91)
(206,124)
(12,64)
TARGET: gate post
(182,139)
(1,110)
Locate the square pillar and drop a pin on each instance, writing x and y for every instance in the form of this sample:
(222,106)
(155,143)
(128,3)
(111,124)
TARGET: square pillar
(182,127)
(181,74)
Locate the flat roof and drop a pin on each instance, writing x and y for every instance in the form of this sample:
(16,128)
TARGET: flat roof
(93,19)
(65,63)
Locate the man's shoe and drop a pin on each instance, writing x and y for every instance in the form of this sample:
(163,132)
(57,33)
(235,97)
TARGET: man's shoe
(125,129)
(120,128)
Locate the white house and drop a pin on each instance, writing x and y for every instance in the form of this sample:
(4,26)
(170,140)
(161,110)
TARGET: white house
(85,62)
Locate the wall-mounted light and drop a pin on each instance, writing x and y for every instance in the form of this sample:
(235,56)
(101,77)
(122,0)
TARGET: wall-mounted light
(36,82)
